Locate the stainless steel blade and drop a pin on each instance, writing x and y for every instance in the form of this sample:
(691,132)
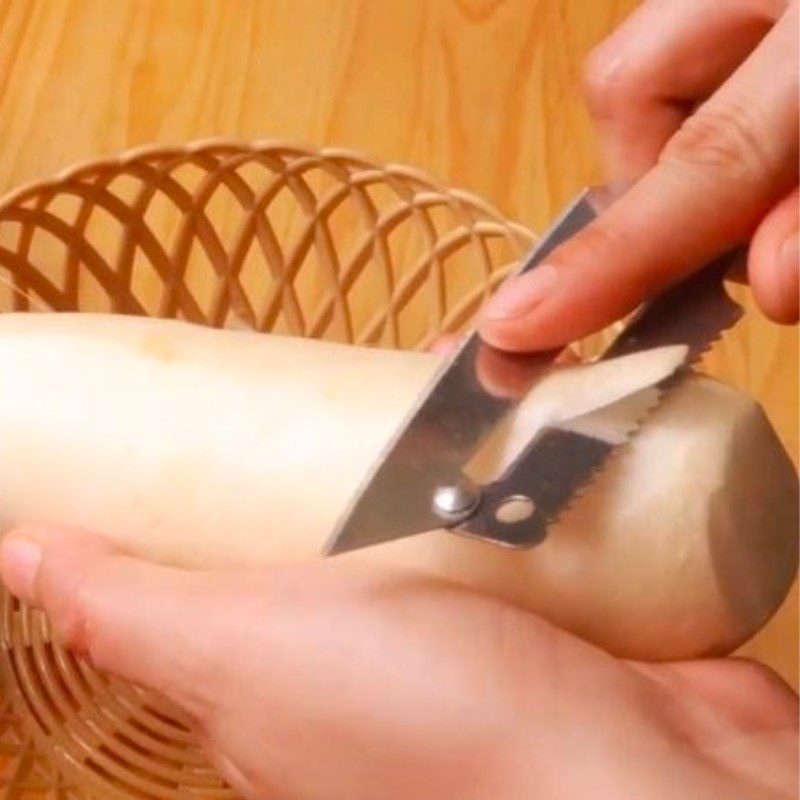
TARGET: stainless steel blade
(559,463)
(454,415)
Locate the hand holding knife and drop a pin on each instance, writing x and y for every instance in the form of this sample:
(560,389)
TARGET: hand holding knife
(419,484)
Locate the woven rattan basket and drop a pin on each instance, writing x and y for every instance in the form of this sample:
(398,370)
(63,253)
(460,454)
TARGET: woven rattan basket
(270,236)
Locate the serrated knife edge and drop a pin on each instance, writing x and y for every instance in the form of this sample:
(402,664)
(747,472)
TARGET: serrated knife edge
(705,332)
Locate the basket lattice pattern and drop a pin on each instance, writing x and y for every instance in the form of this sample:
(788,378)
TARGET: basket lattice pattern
(268,236)
(271,237)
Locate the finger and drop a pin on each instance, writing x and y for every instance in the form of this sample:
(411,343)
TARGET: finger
(445,344)
(149,624)
(774,261)
(506,375)
(498,372)
(644,79)
(717,178)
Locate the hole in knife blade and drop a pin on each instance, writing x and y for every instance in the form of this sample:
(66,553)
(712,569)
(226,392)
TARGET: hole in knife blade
(515,508)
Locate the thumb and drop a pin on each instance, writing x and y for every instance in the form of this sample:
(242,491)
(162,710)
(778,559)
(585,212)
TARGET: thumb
(716,180)
(153,625)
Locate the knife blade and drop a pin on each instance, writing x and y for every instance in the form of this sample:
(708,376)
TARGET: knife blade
(455,413)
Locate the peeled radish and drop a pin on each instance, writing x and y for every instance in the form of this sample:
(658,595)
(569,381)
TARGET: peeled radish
(207,448)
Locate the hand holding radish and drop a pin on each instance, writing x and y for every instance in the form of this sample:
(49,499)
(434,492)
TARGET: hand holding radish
(332,681)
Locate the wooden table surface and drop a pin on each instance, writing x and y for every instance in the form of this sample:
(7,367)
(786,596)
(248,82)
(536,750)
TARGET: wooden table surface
(482,93)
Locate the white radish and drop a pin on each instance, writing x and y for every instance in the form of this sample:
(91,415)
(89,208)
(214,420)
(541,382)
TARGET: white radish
(206,448)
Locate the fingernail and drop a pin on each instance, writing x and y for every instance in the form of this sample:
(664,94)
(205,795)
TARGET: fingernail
(19,563)
(519,296)
(789,258)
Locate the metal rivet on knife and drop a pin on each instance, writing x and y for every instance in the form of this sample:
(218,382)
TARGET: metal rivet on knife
(456,501)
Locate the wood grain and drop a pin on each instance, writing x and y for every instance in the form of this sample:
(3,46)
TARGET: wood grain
(483,93)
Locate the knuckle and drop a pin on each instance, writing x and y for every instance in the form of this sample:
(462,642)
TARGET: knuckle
(197,683)
(766,691)
(609,243)
(68,571)
(73,618)
(79,620)
(609,82)
(758,675)
(599,242)
(724,142)
(597,238)
(202,675)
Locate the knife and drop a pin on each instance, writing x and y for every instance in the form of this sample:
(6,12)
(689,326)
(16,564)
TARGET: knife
(418,482)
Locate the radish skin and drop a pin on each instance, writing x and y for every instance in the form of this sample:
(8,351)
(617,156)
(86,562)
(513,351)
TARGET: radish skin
(206,448)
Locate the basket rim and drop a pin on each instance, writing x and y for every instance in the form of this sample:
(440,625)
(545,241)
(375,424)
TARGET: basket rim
(259,146)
